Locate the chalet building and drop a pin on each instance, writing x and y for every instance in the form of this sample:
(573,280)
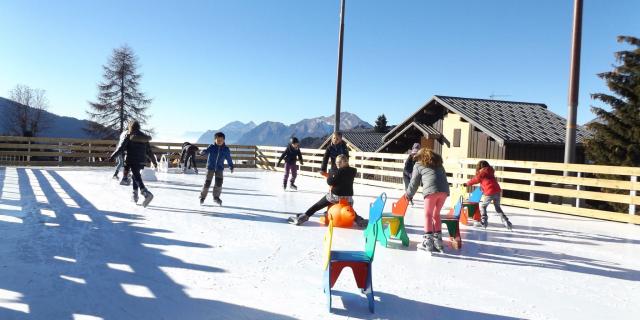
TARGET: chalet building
(488,129)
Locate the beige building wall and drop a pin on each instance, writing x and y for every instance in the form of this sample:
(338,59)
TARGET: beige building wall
(451,122)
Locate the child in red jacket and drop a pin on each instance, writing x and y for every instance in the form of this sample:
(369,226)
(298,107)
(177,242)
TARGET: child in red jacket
(491,190)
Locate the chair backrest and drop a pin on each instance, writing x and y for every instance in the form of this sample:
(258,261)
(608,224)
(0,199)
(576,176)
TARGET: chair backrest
(376,208)
(457,208)
(371,234)
(400,208)
(476,195)
(375,221)
(326,245)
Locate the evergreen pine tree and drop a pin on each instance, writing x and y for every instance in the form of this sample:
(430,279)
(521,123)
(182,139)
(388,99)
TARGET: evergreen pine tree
(119,98)
(381,124)
(616,133)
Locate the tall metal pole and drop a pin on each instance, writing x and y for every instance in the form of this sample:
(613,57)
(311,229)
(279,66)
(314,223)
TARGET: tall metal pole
(336,127)
(574,84)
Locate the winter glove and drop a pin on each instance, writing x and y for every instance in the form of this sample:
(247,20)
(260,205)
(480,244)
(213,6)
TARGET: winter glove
(464,185)
(324,174)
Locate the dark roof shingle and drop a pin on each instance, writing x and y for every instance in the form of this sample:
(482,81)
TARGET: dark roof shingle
(513,121)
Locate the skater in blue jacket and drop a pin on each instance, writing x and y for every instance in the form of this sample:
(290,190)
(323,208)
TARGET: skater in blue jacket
(217,154)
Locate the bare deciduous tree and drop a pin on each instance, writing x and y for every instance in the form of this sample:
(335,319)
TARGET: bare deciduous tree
(28,116)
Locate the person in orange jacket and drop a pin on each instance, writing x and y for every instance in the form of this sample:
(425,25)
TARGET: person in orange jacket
(485,176)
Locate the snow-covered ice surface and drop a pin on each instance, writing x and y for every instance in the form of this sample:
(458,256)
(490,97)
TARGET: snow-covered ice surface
(73,246)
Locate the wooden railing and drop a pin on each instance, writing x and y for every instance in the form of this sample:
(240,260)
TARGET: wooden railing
(563,188)
(534,185)
(20,151)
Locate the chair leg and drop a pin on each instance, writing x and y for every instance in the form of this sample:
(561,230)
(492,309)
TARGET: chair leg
(369,290)
(327,286)
(382,236)
(402,234)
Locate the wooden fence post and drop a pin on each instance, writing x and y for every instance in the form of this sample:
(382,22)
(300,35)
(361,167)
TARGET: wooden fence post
(632,193)
(29,151)
(532,183)
(60,151)
(578,188)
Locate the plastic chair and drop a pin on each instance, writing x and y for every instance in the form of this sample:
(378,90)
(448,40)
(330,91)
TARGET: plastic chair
(472,205)
(452,221)
(360,262)
(382,235)
(395,221)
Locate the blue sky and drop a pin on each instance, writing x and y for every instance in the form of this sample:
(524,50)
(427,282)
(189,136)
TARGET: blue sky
(206,63)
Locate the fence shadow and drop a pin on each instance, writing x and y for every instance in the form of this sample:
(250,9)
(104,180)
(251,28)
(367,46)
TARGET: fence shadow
(80,260)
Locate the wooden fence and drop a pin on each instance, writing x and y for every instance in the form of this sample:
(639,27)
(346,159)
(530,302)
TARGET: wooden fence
(20,151)
(534,185)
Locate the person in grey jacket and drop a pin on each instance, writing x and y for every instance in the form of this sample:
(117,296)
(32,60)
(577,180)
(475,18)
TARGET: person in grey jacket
(429,171)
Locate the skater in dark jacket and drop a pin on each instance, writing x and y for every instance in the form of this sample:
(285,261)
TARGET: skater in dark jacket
(341,182)
(335,148)
(188,157)
(138,150)
(217,154)
(120,161)
(290,154)
(491,189)
(408,166)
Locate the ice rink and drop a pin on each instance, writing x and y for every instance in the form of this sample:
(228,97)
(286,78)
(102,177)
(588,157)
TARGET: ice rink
(74,246)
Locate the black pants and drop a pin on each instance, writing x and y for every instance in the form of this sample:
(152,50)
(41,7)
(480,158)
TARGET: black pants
(322,203)
(137,178)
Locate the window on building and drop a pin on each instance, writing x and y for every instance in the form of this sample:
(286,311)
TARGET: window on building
(456,137)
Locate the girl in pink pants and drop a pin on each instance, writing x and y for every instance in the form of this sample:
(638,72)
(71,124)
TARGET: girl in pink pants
(429,172)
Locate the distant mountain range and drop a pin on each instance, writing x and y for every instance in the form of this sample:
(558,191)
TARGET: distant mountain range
(278,134)
(58,126)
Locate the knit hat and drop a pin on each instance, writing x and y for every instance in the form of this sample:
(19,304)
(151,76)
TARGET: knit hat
(415,148)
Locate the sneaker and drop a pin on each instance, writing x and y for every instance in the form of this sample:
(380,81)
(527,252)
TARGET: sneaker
(293,186)
(361,222)
(427,243)
(218,201)
(201,201)
(298,219)
(148,196)
(507,224)
(438,241)
(134,196)
(125,181)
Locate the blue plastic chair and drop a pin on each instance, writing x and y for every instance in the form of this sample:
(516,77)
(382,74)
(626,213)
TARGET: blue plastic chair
(360,262)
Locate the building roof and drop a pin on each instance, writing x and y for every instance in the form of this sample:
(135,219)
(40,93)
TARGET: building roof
(426,130)
(505,121)
(367,141)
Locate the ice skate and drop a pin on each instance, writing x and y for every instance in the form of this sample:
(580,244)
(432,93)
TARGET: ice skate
(148,196)
(298,219)
(134,196)
(438,242)
(125,181)
(507,224)
(293,187)
(484,221)
(218,201)
(427,243)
